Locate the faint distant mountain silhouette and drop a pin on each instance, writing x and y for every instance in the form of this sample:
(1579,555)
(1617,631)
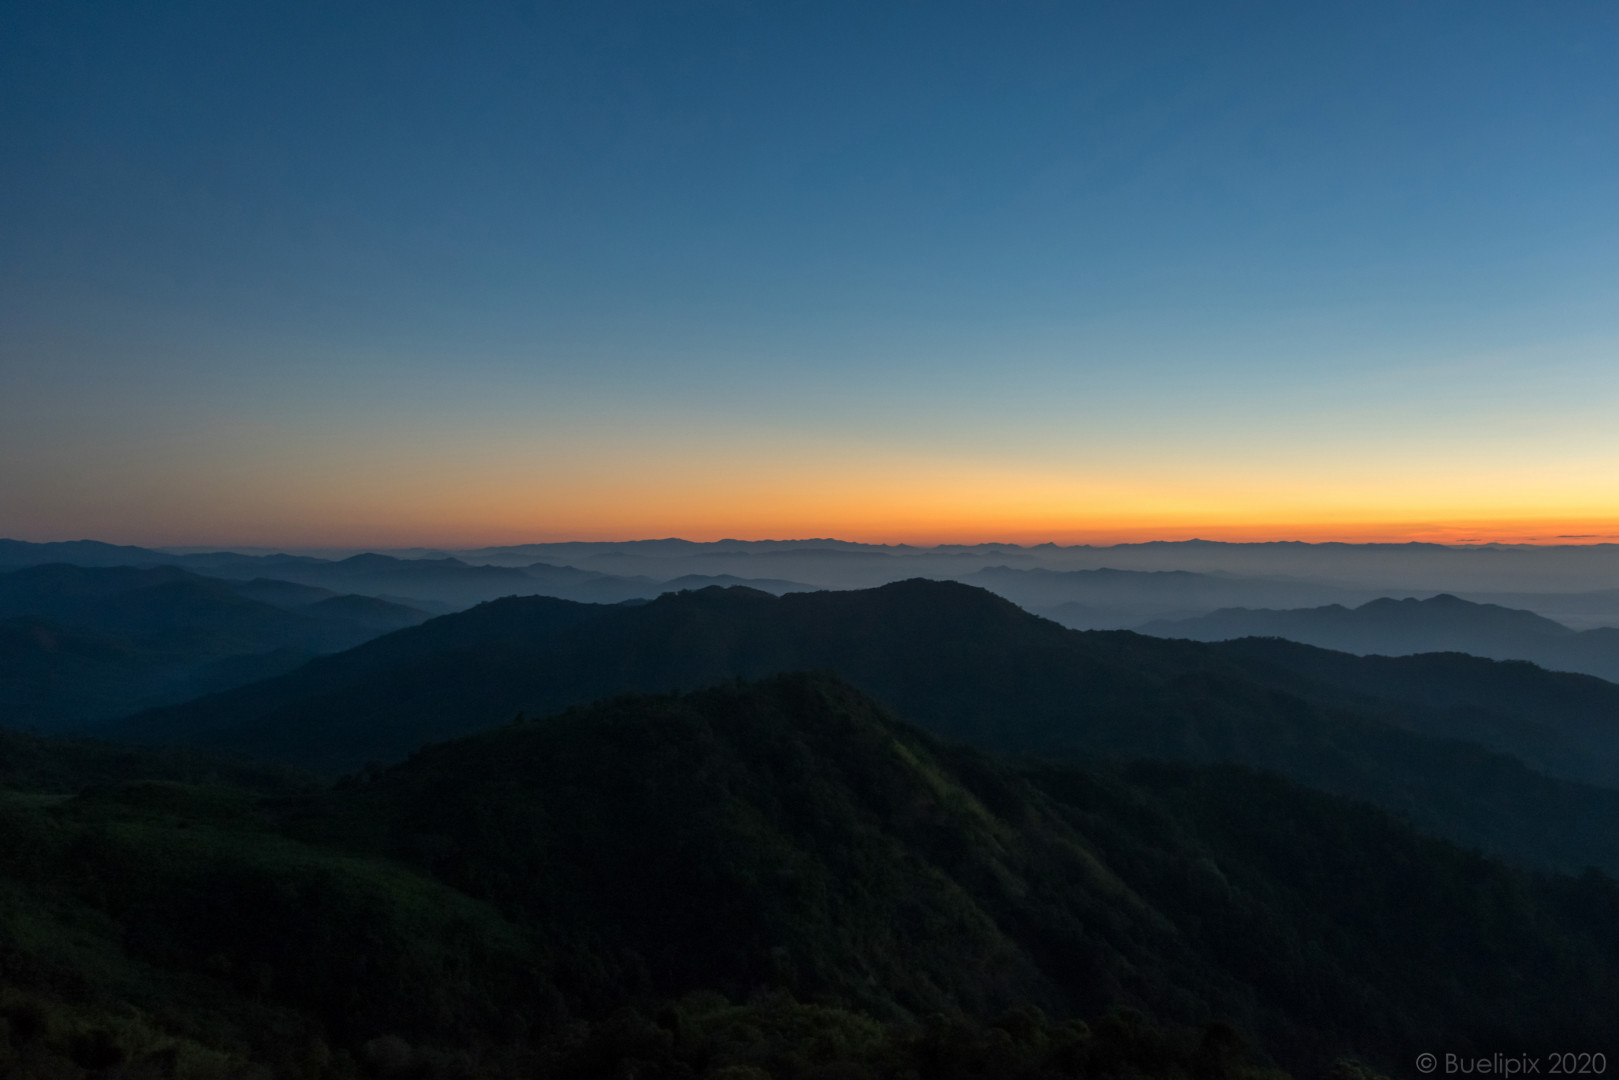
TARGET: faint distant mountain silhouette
(1574,584)
(1442,623)
(19,553)
(1109,599)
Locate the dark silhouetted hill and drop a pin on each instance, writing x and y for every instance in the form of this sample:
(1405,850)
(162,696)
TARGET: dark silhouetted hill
(1401,627)
(281,594)
(366,611)
(961,661)
(86,643)
(1562,724)
(777,876)
(21,553)
(450,581)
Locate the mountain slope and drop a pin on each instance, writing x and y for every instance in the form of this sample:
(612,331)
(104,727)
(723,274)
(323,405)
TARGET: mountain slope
(810,840)
(512,891)
(1562,724)
(1401,627)
(85,643)
(963,662)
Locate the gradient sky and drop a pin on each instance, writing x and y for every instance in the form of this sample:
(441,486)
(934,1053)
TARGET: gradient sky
(460,274)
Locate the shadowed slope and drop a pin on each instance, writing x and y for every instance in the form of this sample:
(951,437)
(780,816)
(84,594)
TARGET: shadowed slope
(965,663)
(790,833)
(789,836)
(1560,723)
(86,643)
(1401,627)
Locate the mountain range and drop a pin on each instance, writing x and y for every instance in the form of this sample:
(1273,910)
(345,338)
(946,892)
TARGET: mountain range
(1536,779)
(1461,568)
(1117,587)
(436,584)
(1392,627)
(79,644)
(677,826)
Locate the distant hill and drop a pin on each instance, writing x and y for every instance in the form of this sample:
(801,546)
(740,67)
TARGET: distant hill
(1581,610)
(1389,627)
(446,580)
(1107,599)
(1559,723)
(961,661)
(767,879)
(1364,570)
(281,594)
(435,584)
(775,586)
(79,644)
(20,553)
(367,611)
(454,583)
(1114,587)
(169,608)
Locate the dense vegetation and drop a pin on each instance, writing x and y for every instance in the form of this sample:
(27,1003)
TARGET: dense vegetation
(964,664)
(772,879)
(1559,723)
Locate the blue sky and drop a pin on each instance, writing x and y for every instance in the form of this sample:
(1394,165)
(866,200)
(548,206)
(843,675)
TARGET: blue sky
(311,272)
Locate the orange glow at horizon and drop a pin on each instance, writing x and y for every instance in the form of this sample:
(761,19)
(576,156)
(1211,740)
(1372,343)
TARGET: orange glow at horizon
(468,497)
(895,505)
(917,532)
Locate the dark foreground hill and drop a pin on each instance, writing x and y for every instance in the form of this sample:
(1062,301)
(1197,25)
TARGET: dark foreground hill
(1390,627)
(958,660)
(589,894)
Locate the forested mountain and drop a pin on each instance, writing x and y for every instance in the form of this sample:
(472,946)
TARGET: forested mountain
(85,643)
(1401,627)
(571,896)
(1560,723)
(958,660)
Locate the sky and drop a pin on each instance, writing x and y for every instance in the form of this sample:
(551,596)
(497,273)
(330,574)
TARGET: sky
(462,274)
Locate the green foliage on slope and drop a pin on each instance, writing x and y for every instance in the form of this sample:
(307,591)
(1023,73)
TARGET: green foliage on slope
(774,877)
(957,660)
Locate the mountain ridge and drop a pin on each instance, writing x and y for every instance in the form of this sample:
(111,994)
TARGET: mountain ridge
(571,895)
(971,665)
(1398,627)
(88,643)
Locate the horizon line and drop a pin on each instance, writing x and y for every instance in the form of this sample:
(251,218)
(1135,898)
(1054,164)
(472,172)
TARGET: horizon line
(1562,540)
